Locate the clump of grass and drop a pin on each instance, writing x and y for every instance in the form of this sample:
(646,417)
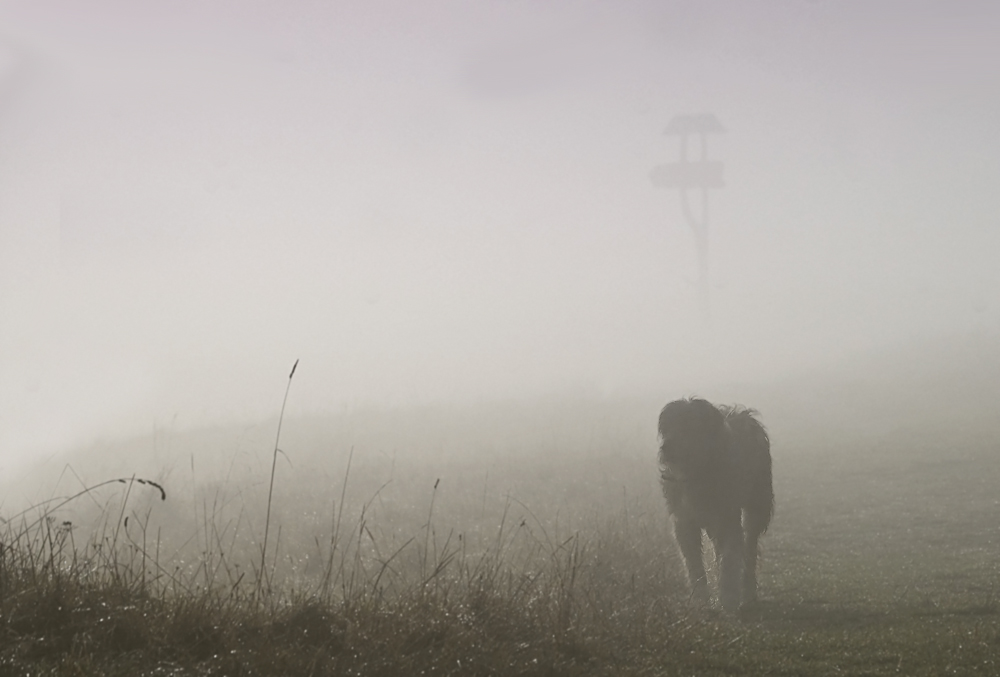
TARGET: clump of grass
(115,602)
(526,602)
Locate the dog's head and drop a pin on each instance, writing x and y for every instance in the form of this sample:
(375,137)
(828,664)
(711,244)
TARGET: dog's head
(694,435)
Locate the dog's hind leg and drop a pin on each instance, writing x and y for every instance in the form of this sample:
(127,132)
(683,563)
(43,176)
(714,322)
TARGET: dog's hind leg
(754,524)
(688,535)
(731,567)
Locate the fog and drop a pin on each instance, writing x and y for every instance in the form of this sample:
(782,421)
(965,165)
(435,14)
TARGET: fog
(449,202)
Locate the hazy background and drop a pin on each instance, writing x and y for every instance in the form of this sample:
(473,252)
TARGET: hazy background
(445,202)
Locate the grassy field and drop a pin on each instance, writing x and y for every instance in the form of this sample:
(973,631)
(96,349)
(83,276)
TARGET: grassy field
(499,539)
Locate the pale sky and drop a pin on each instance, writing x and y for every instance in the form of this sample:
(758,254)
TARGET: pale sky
(444,201)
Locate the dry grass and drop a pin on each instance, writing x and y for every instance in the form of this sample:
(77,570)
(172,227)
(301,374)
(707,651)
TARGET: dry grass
(537,547)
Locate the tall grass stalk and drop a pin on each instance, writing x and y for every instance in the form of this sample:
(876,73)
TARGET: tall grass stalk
(427,533)
(335,535)
(270,489)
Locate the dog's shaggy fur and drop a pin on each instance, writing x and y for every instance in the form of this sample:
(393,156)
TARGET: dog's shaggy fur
(715,467)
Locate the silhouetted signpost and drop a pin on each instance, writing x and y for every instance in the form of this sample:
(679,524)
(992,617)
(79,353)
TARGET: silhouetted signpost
(700,174)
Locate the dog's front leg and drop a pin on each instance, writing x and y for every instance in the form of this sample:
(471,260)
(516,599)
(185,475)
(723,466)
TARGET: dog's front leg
(750,567)
(731,566)
(688,535)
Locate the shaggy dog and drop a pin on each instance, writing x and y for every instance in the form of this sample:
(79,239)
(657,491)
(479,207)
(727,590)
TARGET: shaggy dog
(715,467)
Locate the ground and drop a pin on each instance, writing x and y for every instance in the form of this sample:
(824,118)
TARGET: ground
(541,547)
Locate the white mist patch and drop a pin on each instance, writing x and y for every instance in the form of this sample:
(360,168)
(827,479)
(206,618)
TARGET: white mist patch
(442,206)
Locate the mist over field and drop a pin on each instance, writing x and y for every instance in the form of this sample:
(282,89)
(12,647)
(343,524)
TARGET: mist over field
(448,205)
(462,223)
